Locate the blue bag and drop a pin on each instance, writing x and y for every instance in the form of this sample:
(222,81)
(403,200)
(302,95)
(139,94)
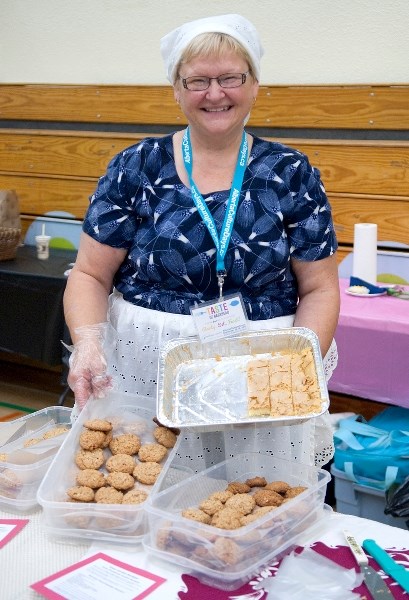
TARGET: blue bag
(374,453)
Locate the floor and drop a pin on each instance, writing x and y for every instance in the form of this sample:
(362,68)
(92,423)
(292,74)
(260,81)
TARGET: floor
(25,389)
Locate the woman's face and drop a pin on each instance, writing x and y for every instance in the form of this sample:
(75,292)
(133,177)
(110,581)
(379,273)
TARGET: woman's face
(216,110)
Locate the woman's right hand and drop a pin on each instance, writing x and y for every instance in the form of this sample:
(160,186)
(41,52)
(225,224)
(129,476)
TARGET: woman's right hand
(88,365)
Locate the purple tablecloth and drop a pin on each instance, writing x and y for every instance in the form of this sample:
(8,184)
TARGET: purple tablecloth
(373,346)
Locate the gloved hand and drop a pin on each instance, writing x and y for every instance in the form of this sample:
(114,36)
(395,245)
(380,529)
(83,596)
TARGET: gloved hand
(88,365)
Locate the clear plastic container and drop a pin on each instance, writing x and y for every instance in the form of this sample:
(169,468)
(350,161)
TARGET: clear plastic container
(229,558)
(122,523)
(28,452)
(205,385)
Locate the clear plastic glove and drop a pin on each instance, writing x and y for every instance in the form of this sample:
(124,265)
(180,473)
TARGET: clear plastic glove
(88,365)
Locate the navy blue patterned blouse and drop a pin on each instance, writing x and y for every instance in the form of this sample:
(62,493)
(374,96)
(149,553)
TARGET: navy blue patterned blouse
(141,205)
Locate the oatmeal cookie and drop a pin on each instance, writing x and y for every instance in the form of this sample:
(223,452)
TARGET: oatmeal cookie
(227,551)
(75,520)
(91,440)
(243,503)
(280,487)
(238,488)
(120,481)
(90,459)
(294,491)
(195,514)
(10,479)
(31,442)
(211,506)
(256,482)
(108,438)
(152,452)
(163,536)
(82,493)
(91,478)
(262,510)
(122,463)
(147,472)
(134,496)
(126,443)
(174,430)
(256,514)
(165,436)
(98,425)
(203,554)
(267,498)
(227,518)
(54,432)
(108,495)
(223,496)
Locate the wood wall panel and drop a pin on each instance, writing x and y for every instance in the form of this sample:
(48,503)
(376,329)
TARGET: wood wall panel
(390,213)
(60,153)
(333,106)
(38,195)
(89,103)
(366,167)
(361,167)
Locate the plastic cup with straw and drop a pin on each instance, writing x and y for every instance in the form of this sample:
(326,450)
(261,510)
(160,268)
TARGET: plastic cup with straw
(43,244)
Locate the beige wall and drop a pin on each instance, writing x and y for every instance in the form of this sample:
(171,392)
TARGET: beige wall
(117,41)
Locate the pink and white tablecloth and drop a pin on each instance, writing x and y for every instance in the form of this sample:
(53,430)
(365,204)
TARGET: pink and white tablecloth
(373,346)
(32,555)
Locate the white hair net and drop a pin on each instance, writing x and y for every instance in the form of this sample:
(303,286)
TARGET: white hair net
(174,43)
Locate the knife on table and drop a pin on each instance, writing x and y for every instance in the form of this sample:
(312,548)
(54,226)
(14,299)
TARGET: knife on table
(373,580)
(390,566)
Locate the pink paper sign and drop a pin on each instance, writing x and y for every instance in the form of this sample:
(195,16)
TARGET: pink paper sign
(99,576)
(9,528)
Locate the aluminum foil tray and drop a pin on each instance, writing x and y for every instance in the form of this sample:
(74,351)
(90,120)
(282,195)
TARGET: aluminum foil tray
(204,385)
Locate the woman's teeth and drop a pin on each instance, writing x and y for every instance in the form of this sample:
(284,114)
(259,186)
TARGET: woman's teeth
(217,109)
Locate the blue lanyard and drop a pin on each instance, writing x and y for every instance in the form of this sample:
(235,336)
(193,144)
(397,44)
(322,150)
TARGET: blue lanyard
(221,242)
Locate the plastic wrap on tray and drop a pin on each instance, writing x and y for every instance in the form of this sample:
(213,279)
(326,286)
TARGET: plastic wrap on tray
(206,384)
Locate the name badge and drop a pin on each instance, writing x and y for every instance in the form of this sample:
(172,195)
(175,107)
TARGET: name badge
(215,320)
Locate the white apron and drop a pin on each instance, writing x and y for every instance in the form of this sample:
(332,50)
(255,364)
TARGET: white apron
(140,333)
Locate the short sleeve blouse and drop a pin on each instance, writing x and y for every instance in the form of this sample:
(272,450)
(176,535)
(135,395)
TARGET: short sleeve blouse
(141,205)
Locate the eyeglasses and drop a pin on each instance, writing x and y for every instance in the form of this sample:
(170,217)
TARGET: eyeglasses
(198,83)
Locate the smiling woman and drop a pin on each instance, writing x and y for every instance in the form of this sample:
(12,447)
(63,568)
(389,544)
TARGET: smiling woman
(180,220)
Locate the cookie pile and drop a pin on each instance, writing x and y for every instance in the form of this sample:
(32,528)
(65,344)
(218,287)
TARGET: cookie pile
(51,433)
(111,466)
(11,483)
(242,502)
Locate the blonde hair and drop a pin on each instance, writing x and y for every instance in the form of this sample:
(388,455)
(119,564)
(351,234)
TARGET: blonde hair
(212,44)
